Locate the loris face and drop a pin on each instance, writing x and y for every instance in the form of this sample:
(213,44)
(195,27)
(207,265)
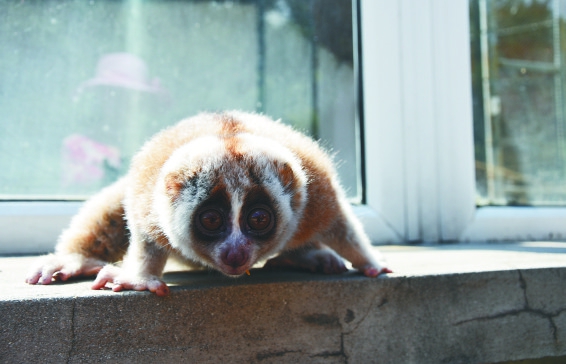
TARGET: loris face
(230,203)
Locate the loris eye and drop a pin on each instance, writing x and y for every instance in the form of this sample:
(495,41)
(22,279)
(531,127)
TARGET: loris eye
(211,220)
(259,220)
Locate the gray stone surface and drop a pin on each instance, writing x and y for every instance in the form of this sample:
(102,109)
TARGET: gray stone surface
(443,304)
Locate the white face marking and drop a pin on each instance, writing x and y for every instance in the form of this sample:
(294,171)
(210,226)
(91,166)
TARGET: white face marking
(174,218)
(237,204)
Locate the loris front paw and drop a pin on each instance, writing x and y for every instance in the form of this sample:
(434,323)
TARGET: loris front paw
(316,260)
(373,270)
(62,267)
(372,265)
(122,280)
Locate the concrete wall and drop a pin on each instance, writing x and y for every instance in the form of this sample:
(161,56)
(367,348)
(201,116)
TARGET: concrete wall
(485,316)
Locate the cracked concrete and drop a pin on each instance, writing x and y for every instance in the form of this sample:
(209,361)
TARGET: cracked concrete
(434,309)
(543,301)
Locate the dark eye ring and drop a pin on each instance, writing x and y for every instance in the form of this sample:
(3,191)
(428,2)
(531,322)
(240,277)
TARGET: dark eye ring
(211,220)
(260,220)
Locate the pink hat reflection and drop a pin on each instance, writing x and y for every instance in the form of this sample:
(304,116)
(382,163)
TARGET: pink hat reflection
(123,70)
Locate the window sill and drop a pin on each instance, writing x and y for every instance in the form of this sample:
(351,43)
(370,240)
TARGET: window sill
(447,303)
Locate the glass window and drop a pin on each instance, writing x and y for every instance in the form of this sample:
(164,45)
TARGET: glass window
(84,83)
(518,71)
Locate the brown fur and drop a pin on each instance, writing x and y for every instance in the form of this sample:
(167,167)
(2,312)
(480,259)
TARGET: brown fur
(100,233)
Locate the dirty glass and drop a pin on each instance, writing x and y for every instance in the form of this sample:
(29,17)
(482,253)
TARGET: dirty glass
(84,83)
(518,72)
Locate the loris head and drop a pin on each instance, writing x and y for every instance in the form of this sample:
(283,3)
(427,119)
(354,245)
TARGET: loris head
(230,202)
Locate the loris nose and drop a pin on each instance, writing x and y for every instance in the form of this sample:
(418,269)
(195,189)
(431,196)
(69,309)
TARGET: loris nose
(235,257)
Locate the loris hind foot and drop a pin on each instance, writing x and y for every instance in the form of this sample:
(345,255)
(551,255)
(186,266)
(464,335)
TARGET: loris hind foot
(62,267)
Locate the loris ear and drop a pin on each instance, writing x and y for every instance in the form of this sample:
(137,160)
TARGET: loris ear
(174,183)
(173,186)
(287,177)
(294,183)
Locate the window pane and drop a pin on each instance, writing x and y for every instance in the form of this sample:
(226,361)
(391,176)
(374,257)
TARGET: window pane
(518,64)
(84,83)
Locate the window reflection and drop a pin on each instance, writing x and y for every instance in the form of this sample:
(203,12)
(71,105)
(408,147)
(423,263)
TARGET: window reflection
(85,83)
(518,85)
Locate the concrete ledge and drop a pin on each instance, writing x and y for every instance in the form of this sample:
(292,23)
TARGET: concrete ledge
(444,304)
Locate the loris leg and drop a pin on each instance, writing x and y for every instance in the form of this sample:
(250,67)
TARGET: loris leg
(96,235)
(347,238)
(315,257)
(141,270)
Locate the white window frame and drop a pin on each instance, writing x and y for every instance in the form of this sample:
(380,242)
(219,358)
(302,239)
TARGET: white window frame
(418,132)
(29,227)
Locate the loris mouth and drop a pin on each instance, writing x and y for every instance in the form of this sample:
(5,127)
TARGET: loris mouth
(234,271)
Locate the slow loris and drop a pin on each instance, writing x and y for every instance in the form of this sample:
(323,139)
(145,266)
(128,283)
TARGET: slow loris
(219,190)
